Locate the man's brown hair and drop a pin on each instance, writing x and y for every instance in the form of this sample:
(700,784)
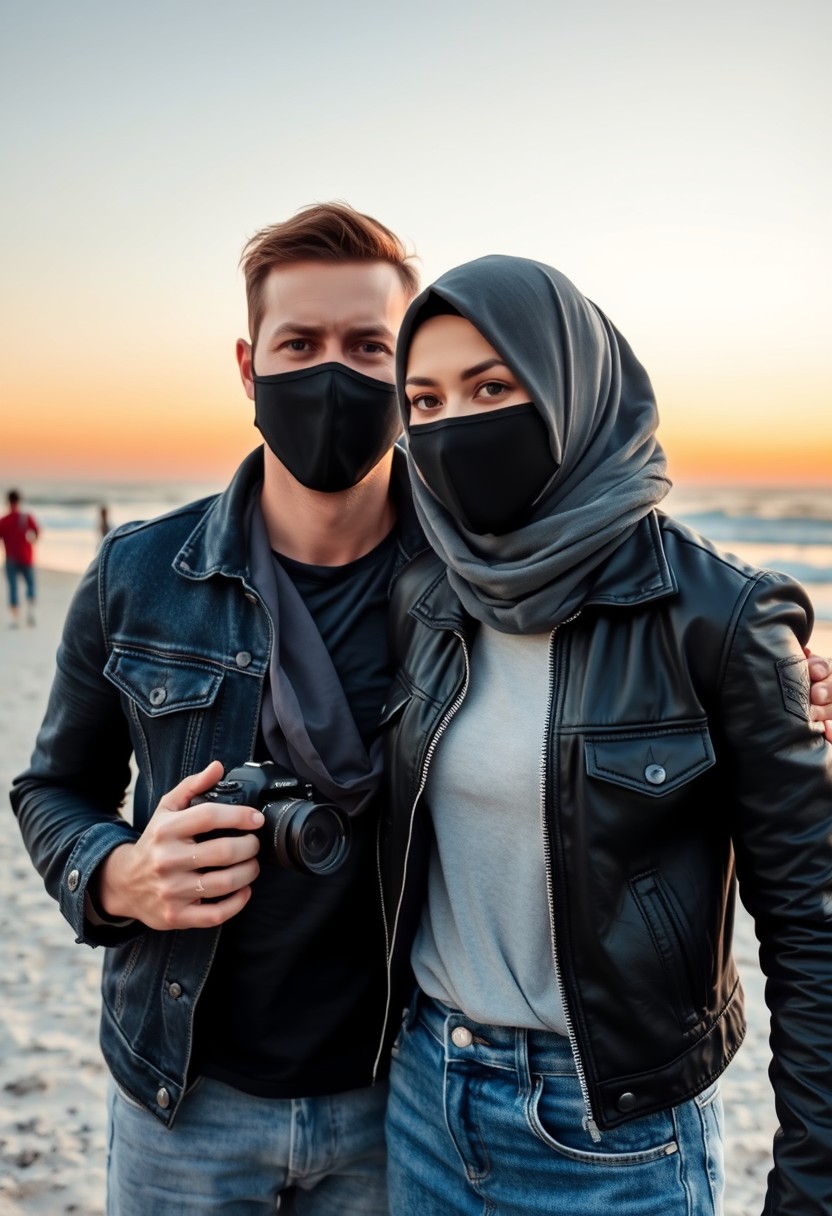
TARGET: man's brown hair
(321,232)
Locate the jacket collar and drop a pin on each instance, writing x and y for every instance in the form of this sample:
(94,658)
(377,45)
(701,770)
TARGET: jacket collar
(636,573)
(219,542)
(411,537)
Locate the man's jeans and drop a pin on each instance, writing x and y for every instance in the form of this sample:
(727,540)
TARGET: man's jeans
(231,1153)
(14,571)
(487,1119)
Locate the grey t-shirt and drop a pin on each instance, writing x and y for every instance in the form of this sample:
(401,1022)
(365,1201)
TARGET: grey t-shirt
(485,941)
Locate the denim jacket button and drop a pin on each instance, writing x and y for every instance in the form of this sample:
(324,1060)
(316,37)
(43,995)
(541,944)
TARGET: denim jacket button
(73,878)
(243,658)
(163,1098)
(175,990)
(251,597)
(461,1036)
(655,774)
(626,1103)
(158,696)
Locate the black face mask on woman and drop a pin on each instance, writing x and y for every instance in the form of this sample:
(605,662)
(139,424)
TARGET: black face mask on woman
(329,425)
(487,469)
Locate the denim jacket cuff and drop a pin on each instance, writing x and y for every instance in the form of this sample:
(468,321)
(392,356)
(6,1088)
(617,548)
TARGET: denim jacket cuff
(90,850)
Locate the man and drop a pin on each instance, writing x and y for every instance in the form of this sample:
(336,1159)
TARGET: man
(19,530)
(250,625)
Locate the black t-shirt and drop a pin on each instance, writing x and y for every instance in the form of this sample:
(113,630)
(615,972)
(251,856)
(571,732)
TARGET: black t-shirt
(294,1003)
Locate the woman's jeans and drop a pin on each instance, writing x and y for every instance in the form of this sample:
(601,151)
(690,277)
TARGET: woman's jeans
(487,1119)
(234,1154)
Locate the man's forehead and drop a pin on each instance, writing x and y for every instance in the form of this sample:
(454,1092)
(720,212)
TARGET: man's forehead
(360,289)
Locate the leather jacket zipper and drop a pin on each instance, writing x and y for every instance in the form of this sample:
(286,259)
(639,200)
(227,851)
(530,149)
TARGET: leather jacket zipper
(391,942)
(589,1120)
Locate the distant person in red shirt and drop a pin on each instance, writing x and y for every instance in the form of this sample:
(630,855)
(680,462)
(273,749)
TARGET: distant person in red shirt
(18,530)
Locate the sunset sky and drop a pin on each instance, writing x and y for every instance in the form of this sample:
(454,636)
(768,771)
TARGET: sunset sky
(673,160)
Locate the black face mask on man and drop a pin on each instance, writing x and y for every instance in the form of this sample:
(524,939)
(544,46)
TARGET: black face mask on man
(487,469)
(329,425)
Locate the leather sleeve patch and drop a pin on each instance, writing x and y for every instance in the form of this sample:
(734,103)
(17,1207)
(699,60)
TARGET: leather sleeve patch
(794,685)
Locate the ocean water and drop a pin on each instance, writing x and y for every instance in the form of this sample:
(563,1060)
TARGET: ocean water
(778,529)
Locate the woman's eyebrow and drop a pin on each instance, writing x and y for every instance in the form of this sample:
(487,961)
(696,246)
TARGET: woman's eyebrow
(426,382)
(482,367)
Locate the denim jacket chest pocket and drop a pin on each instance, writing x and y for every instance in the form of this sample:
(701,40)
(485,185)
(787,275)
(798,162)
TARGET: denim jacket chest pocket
(171,701)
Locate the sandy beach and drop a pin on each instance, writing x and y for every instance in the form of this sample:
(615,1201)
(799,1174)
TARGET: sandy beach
(52,1077)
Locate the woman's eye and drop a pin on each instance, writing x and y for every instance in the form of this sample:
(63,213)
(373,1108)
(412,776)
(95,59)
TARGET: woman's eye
(493,389)
(425,402)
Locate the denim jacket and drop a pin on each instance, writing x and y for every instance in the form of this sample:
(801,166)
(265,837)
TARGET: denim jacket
(163,658)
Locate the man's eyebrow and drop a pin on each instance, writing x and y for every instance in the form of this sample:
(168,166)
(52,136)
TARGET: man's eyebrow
(361,329)
(370,329)
(297,330)
(426,382)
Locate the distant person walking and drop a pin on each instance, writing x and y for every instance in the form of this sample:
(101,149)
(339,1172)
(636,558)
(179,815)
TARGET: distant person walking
(18,530)
(104,524)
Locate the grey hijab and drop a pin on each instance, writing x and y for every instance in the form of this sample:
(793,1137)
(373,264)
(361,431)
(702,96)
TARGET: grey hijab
(601,415)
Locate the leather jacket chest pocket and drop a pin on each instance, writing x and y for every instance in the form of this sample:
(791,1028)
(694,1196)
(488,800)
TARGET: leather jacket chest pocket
(654,764)
(166,695)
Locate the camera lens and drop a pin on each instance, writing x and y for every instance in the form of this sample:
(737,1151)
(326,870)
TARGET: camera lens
(309,836)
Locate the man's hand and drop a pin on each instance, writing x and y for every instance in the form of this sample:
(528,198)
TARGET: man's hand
(820,673)
(161,880)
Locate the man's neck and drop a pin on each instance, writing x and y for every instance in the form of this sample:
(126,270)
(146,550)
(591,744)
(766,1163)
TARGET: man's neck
(326,529)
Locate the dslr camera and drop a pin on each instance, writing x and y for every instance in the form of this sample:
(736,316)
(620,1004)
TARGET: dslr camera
(300,832)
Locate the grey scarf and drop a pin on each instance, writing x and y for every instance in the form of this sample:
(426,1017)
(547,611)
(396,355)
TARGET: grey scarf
(305,714)
(601,415)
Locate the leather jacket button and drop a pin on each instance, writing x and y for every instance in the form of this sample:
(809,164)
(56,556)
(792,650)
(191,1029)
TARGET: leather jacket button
(163,1098)
(626,1103)
(73,878)
(461,1036)
(243,658)
(158,696)
(655,774)
(175,990)
(251,597)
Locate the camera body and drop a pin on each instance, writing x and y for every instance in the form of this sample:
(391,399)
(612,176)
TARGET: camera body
(300,832)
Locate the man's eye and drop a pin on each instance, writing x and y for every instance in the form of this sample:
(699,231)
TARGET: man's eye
(298,344)
(373,348)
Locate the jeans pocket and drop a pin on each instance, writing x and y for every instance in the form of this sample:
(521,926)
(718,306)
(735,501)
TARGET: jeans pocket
(708,1096)
(128,1099)
(556,1114)
(408,1018)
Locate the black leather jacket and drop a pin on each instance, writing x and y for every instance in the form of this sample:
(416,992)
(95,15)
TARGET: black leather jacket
(678,750)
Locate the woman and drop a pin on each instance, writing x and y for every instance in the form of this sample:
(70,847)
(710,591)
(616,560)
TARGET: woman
(597,717)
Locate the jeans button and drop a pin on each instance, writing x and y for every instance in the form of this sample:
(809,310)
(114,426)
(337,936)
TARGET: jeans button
(461,1036)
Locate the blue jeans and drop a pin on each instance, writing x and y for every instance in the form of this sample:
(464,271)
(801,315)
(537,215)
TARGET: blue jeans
(14,571)
(491,1120)
(229,1152)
